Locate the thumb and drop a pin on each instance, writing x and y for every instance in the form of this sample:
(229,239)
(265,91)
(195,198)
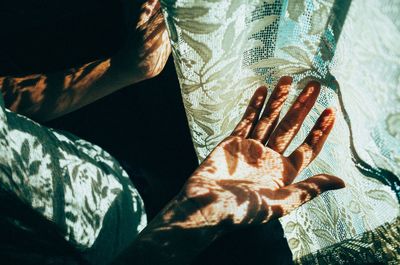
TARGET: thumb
(290,197)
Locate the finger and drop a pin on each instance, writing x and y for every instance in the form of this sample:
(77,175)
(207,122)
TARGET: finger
(292,196)
(312,145)
(252,113)
(291,123)
(270,115)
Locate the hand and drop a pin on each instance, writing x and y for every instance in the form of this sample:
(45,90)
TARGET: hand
(246,179)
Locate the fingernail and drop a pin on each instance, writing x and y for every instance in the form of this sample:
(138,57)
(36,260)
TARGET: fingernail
(285,80)
(328,119)
(313,86)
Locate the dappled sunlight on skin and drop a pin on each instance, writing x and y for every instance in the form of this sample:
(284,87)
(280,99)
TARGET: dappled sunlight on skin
(31,94)
(270,115)
(313,144)
(292,121)
(24,88)
(44,96)
(243,181)
(151,32)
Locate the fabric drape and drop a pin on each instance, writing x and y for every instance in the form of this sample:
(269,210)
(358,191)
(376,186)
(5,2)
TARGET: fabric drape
(224,49)
(53,178)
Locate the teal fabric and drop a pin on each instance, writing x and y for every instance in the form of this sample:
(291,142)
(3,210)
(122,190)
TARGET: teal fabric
(72,183)
(223,50)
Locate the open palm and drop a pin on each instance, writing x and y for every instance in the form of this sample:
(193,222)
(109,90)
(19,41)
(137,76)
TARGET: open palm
(246,179)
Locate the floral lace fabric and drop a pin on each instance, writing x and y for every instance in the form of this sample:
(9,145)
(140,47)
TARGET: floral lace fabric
(379,246)
(224,49)
(72,183)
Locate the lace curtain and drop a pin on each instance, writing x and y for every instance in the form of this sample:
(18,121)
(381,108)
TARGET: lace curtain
(224,49)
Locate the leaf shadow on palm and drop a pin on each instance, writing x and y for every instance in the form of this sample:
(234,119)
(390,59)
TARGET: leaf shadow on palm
(246,180)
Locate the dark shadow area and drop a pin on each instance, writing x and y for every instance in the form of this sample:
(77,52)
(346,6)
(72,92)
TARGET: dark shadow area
(257,245)
(39,242)
(144,126)
(68,33)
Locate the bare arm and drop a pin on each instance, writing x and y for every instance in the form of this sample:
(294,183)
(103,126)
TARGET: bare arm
(245,180)
(176,236)
(49,95)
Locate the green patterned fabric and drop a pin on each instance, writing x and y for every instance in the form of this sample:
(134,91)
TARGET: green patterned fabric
(380,246)
(224,49)
(72,183)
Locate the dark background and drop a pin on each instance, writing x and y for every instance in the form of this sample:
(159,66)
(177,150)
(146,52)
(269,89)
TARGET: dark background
(143,126)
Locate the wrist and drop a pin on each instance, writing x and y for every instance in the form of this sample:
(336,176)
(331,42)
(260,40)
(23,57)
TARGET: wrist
(176,236)
(210,202)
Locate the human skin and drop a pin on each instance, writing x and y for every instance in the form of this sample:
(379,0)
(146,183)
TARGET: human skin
(244,181)
(44,96)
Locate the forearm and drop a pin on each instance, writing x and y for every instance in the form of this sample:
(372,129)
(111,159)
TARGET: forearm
(176,236)
(44,96)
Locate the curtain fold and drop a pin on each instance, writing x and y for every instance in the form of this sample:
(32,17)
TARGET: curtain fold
(224,49)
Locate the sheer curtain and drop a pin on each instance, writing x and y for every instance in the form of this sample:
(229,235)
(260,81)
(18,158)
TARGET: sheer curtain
(224,49)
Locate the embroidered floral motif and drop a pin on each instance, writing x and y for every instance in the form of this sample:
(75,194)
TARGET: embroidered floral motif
(336,42)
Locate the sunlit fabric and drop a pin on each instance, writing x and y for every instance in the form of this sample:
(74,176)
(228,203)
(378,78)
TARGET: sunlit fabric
(224,49)
(72,183)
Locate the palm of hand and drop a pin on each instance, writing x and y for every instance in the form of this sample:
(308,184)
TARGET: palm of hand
(243,181)
(249,161)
